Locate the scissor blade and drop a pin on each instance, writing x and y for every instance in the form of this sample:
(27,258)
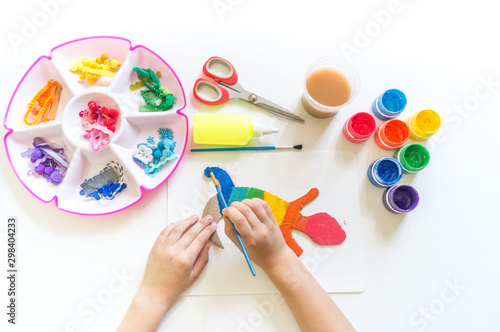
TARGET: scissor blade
(276,109)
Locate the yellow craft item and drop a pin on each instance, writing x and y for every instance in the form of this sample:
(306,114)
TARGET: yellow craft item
(100,72)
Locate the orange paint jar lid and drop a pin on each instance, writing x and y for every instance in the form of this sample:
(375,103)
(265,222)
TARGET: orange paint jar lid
(392,134)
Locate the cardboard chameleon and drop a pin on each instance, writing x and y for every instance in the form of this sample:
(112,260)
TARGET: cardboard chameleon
(320,227)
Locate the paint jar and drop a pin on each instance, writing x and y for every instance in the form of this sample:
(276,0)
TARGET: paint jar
(392,134)
(385,172)
(400,198)
(413,157)
(424,124)
(389,104)
(360,127)
(331,83)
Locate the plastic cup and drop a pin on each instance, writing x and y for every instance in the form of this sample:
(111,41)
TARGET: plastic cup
(385,172)
(337,64)
(389,104)
(400,198)
(392,134)
(424,124)
(359,127)
(413,157)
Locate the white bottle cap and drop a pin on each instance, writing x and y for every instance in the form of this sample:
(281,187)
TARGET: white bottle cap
(259,131)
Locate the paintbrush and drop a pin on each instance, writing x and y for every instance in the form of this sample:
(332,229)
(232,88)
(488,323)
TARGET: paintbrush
(242,246)
(250,148)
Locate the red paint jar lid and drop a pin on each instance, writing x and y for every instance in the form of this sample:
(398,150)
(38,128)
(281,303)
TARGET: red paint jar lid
(361,125)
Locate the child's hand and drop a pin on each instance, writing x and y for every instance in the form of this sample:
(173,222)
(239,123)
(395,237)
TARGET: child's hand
(177,259)
(260,232)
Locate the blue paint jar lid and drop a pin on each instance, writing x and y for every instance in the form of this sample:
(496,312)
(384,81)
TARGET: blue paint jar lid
(385,172)
(389,104)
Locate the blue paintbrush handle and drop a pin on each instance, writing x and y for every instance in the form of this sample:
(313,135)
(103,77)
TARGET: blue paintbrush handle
(242,246)
(243,148)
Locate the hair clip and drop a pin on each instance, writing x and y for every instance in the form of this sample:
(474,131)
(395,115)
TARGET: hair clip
(105,185)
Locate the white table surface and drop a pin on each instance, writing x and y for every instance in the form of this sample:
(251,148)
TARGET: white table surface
(435,269)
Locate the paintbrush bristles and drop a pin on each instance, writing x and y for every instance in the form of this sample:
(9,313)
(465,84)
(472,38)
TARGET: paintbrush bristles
(214,180)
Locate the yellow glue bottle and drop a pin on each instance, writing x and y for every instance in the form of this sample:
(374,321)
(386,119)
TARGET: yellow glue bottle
(225,129)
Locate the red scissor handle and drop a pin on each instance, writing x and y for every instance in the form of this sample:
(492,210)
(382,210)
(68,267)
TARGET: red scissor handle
(227,74)
(209,93)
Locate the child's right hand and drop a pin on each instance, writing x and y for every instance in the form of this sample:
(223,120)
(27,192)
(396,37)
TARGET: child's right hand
(260,232)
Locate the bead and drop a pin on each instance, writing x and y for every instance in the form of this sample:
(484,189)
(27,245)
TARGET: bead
(48,170)
(36,154)
(56,177)
(105,111)
(157,154)
(104,56)
(92,106)
(82,193)
(114,112)
(161,145)
(40,168)
(112,128)
(115,64)
(108,121)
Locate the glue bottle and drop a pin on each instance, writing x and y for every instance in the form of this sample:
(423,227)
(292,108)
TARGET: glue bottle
(226,129)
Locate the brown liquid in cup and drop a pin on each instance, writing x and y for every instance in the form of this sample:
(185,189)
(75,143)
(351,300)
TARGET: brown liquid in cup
(328,87)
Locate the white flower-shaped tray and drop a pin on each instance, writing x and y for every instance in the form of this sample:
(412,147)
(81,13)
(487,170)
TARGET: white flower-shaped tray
(133,127)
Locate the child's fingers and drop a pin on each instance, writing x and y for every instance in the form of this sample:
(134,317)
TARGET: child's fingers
(201,261)
(196,245)
(245,209)
(238,219)
(164,234)
(258,207)
(179,229)
(269,212)
(189,236)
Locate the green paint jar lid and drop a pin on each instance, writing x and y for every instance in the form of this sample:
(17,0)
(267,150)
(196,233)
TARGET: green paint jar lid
(413,157)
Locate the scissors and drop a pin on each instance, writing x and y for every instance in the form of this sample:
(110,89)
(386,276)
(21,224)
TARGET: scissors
(226,87)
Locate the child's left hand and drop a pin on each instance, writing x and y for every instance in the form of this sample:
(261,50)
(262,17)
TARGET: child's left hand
(177,259)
